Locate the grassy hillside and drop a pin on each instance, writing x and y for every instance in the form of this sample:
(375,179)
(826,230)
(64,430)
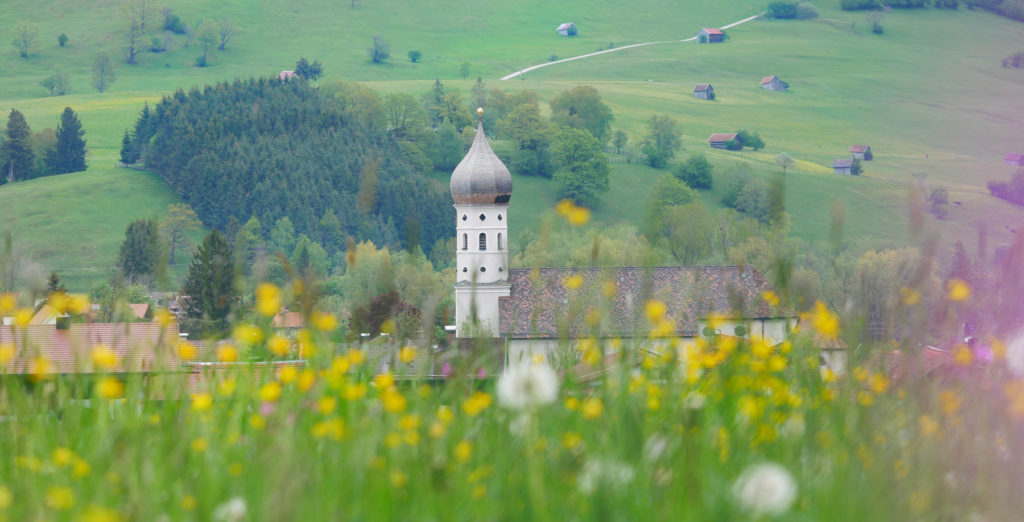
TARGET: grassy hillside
(929,95)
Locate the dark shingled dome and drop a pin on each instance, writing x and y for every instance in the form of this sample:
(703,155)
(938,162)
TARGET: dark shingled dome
(481,177)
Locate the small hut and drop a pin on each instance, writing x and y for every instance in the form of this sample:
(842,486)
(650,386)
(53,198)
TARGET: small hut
(861,152)
(567,29)
(704,91)
(721,140)
(287,75)
(842,166)
(773,83)
(706,35)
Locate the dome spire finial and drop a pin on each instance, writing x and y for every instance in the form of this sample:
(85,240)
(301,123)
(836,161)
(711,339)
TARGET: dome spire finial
(481,177)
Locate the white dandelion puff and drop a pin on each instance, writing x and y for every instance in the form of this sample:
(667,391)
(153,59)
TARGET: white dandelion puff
(765,489)
(607,473)
(524,386)
(231,511)
(1015,355)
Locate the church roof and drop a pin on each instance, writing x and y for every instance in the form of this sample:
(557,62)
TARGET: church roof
(481,177)
(540,306)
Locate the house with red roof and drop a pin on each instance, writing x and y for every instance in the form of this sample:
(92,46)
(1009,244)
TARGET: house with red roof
(567,29)
(721,140)
(861,152)
(287,75)
(68,348)
(706,35)
(704,91)
(842,166)
(773,83)
(1016,160)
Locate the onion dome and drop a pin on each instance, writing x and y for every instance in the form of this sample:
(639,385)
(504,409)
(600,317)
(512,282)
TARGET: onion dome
(481,177)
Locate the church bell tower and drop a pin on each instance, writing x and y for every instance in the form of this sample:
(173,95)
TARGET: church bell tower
(481,186)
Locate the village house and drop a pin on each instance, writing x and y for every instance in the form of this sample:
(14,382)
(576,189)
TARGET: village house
(1016,160)
(528,311)
(67,348)
(706,35)
(720,140)
(861,152)
(287,75)
(704,91)
(842,166)
(567,29)
(773,83)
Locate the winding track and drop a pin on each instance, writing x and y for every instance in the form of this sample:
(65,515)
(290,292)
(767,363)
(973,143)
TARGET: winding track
(690,39)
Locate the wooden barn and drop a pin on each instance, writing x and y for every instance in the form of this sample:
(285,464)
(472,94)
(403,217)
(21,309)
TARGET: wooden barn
(706,35)
(720,140)
(861,152)
(1016,160)
(773,83)
(842,166)
(567,29)
(704,91)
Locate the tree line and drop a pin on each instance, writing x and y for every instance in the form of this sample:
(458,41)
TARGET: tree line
(26,155)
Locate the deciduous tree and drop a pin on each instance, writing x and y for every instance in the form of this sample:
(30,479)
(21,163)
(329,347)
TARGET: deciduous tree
(582,108)
(176,223)
(380,51)
(207,35)
(24,36)
(227,30)
(308,71)
(783,160)
(103,73)
(696,171)
(662,141)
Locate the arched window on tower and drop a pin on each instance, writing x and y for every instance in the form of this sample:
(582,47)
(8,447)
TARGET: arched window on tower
(465,241)
(483,241)
(500,246)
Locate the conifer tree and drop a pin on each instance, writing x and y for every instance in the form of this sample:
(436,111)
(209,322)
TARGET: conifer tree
(69,154)
(17,149)
(139,257)
(210,285)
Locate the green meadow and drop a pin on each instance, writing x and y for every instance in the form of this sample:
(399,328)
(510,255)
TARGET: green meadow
(929,95)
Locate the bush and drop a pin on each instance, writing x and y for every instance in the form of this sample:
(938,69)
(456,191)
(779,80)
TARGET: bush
(806,11)
(859,5)
(414,56)
(1012,191)
(696,171)
(1015,60)
(781,9)
(62,39)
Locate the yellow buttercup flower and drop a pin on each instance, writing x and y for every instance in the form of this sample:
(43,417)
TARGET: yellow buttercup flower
(356,357)
(958,290)
(571,440)
(257,422)
(878,383)
(326,404)
(7,353)
(909,296)
(393,400)
(62,457)
(445,414)
(270,392)
(60,498)
(78,304)
(247,334)
(187,351)
(927,425)
(227,353)
(188,503)
(6,497)
(268,299)
(40,369)
(655,310)
(227,386)
(202,401)
(288,374)
(407,354)
(477,403)
(463,451)
(23,316)
(103,357)
(58,301)
(573,282)
(578,216)
(572,404)
(278,345)
(353,391)
(409,422)
(770,297)
(330,428)
(962,355)
(110,388)
(949,402)
(399,479)
(325,321)
(592,408)
(384,381)
(200,445)
(8,302)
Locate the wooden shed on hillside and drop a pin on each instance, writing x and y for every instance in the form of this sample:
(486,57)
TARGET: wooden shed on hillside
(861,152)
(720,140)
(773,83)
(567,29)
(706,35)
(704,91)
(842,166)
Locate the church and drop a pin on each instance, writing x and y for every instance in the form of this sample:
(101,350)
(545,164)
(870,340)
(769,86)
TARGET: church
(532,309)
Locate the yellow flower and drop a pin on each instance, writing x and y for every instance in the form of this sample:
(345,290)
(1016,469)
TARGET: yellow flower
(278,345)
(409,422)
(878,383)
(41,368)
(573,282)
(80,468)
(592,356)
(949,402)
(200,445)
(579,216)
(188,503)
(78,304)
(463,451)
(655,310)
(103,357)
(399,479)
(436,429)
(6,497)
(356,357)
(388,326)
(824,321)
(110,388)
(164,317)
(393,400)
(288,374)
(227,386)
(592,408)
(479,491)
(235,469)
(270,391)
(332,428)
(477,403)
(392,440)
(247,334)
(860,374)
(60,497)
(22,316)
(227,353)
(412,438)
(306,380)
(572,404)
(268,299)
(564,207)
(572,440)
(865,398)
(187,351)
(909,296)
(998,349)
(407,354)
(384,381)
(962,355)
(8,302)
(958,290)
(326,404)
(58,301)
(770,297)
(202,401)
(7,353)
(62,457)
(257,422)
(927,425)
(445,414)
(609,289)
(325,321)
(353,391)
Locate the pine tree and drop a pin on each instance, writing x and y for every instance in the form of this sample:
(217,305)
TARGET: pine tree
(17,150)
(54,284)
(210,285)
(139,257)
(69,154)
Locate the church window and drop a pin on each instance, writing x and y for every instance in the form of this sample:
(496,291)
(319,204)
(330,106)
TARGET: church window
(483,269)
(499,217)
(499,241)
(463,217)
(465,241)
(464,269)
(483,241)
(482,217)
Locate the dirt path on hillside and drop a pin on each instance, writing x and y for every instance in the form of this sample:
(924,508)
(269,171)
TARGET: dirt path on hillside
(690,39)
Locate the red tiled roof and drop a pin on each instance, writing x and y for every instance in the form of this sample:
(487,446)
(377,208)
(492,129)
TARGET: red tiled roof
(859,148)
(139,309)
(285,75)
(537,306)
(565,26)
(139,346)
(288,320)
(701,87)
(44,315)
(842,163)
(712,31)
(721,137)
(767,79)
